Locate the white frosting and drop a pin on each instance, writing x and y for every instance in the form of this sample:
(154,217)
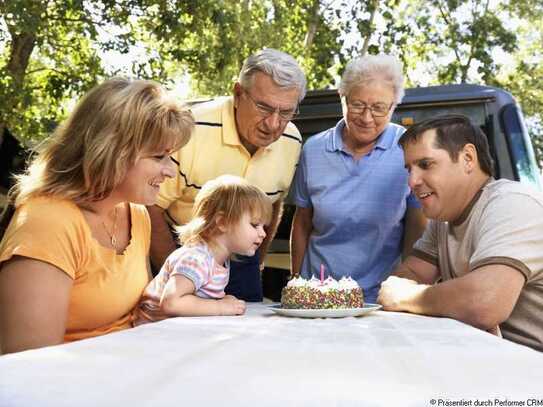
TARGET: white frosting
(298,282)
(346,283)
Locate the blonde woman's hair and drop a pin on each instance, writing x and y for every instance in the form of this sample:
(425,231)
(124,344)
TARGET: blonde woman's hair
(90,153)
(228,197)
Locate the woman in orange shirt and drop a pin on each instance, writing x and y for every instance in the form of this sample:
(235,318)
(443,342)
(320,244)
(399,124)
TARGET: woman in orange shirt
(74,258)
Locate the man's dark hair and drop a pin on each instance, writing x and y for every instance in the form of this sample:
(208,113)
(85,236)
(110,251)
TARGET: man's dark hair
(453,132)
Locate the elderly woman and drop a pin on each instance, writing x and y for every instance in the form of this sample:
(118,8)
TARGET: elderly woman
(354,211)
(74,258)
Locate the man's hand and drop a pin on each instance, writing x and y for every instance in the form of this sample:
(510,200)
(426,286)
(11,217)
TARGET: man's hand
(230,305)
(398,294)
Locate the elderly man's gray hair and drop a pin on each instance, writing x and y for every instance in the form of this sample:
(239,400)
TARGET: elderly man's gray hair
(280,66)
(361,71)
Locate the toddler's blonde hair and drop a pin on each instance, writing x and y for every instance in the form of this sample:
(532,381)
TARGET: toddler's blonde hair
(229,197)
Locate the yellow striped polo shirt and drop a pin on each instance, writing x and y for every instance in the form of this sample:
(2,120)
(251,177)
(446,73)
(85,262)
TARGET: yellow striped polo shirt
(215,149)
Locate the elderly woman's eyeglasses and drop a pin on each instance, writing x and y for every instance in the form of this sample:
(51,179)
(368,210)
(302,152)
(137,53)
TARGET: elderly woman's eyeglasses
(266,111)
(376,110)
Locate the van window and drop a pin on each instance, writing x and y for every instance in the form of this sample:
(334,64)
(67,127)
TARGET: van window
(477,111)
(520,147)
(406,115)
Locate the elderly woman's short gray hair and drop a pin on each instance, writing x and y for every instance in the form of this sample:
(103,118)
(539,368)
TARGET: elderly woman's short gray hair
(280,66)
(368,68)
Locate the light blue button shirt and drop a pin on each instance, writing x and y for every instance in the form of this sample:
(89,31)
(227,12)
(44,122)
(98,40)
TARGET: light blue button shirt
(358,207)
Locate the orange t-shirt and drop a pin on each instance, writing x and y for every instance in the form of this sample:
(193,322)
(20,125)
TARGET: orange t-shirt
(106,285)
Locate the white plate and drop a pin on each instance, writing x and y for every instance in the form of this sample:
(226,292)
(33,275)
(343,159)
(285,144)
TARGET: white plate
(325,313)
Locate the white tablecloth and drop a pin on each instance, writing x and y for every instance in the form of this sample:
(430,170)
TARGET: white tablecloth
(381,359)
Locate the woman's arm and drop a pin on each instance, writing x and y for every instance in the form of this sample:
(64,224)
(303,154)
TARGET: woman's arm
(34,298)
(179,300)
(302,225)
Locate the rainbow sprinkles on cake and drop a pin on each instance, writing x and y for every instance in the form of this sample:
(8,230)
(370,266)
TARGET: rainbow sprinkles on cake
(322,294)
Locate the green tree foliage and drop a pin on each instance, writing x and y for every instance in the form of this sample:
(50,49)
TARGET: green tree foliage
(472,40)
(455,40)
(48,56)
(492,43)
(209,39)
(51,50)
(524,76)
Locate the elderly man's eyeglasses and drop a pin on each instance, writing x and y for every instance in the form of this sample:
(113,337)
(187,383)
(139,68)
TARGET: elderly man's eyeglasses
(266,111)
(376,110)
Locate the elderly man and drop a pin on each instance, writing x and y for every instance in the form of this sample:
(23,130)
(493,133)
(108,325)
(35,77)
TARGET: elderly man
(480,259)
(249,135)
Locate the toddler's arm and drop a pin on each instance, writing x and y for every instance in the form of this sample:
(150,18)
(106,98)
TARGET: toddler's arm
(179,299)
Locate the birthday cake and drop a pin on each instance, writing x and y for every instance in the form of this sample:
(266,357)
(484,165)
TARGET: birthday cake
(317,294)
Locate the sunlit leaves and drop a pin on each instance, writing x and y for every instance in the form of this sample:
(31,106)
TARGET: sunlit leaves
(439,41)
(49,58)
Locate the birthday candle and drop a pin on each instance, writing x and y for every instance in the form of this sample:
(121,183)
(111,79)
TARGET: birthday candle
(322,273)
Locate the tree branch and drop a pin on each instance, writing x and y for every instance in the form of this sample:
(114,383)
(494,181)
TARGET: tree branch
(33,71)
(447,20)
(312,28)
(365,46)
(325,7)
(22,46)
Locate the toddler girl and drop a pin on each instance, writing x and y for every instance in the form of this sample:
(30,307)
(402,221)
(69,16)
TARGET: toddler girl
(229,216)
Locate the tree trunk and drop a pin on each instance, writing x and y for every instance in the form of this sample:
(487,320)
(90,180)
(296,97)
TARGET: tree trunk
(2,127)
(374,7)
(21,48)
(312,27)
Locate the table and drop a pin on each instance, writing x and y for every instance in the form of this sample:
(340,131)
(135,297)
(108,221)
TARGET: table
(381,359)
